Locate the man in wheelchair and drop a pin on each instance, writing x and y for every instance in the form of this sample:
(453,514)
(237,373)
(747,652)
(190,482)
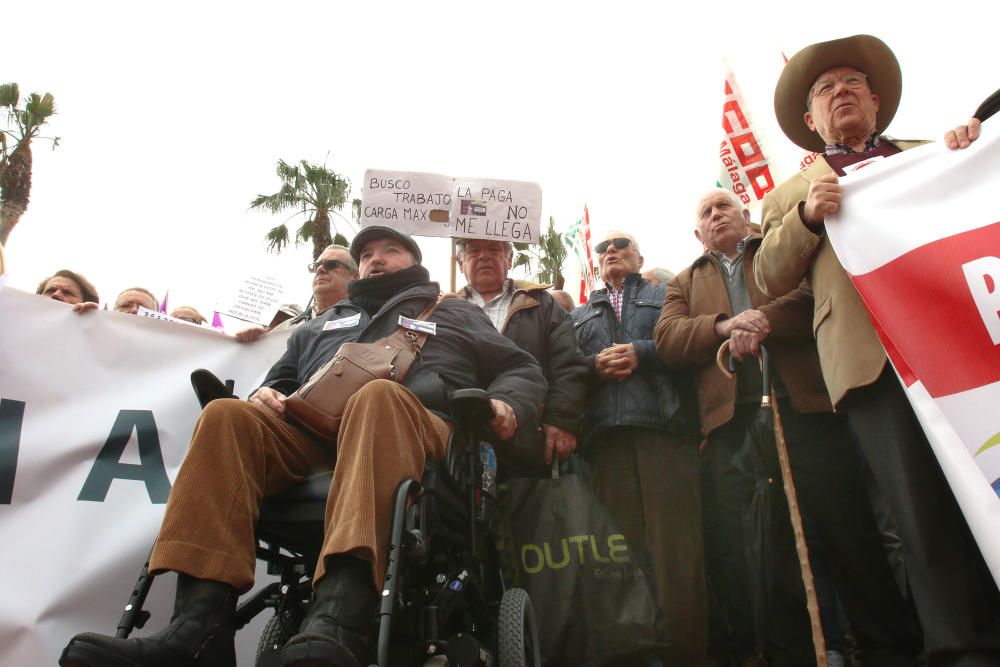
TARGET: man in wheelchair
(244,451)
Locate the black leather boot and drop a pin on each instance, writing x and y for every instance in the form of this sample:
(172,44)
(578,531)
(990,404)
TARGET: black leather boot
(200,634)
(337,630)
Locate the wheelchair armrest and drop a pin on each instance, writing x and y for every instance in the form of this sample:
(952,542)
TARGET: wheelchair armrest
(208,387)
(471,408)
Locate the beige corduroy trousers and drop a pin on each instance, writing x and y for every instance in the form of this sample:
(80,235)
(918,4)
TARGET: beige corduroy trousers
(240,454)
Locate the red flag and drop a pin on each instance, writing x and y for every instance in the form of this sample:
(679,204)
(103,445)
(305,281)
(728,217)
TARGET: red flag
(588,281)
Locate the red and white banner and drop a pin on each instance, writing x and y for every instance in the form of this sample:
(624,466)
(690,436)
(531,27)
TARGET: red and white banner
(919,233)
(96,412)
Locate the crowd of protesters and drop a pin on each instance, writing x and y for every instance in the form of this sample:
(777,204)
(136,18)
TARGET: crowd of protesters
(634,387)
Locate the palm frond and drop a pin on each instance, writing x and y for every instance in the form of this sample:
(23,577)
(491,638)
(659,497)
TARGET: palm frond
(277,238)
(305,233)
(281,200)
(522,259)
(9,95)
(287,173)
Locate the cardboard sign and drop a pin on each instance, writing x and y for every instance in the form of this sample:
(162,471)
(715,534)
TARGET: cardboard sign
(437,205)
(256,300)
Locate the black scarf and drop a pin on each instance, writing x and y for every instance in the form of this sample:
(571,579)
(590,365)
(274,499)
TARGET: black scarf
(372,293)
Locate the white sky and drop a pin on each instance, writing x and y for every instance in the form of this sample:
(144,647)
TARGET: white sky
(173,115)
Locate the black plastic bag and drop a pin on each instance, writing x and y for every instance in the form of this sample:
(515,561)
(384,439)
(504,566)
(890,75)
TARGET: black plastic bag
(593,594)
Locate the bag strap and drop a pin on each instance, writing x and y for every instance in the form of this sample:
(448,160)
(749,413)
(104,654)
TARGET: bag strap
(418,338)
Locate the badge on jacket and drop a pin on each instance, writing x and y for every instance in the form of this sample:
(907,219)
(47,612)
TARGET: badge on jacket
(421,326)
(343,323)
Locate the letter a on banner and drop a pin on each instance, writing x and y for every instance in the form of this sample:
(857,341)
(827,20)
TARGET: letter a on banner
(109,467)
(11,417)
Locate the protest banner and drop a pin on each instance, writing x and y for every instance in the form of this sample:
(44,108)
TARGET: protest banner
(919,234)
(437,205)
(96,412)
(256,300)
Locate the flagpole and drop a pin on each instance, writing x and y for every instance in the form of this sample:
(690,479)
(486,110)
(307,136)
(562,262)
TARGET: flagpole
(454,262)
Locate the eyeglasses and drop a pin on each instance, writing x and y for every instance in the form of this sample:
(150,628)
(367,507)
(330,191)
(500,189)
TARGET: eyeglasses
(329,265)
(620,243)
(826,85)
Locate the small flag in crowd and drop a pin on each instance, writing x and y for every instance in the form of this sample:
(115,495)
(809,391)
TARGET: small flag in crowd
(578,238)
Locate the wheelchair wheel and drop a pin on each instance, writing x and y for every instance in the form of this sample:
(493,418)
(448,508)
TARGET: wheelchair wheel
(518,633)
(272,639)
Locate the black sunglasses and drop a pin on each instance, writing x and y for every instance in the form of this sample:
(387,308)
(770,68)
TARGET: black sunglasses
(620,243)
(328,264)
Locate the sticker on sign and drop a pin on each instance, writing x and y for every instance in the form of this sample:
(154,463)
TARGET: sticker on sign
(424,204)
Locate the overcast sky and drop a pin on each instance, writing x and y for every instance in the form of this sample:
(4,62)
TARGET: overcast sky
(173,115)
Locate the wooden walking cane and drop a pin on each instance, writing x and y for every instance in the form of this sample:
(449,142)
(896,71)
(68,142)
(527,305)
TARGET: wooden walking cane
(812,604)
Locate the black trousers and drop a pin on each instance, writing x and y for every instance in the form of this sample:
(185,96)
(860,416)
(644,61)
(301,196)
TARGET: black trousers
(955,595)
(829,482)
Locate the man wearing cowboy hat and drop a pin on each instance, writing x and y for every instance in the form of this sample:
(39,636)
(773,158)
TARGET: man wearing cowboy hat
(837,98)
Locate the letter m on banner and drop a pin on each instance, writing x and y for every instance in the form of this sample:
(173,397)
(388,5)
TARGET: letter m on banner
(745,168)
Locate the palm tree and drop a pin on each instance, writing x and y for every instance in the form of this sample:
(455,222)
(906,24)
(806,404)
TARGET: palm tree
(22,125)
(550,256)
(317,193)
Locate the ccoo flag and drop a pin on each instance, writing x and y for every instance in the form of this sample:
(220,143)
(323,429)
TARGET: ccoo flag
(919,234)
(746,170)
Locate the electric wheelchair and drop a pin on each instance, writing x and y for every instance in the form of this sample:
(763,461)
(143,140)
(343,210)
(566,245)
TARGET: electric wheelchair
(443,601)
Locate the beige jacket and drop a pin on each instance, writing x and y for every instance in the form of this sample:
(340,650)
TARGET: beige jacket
(850,352)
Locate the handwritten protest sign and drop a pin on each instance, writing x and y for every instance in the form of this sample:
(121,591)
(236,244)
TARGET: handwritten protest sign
(438,205)
(256,300)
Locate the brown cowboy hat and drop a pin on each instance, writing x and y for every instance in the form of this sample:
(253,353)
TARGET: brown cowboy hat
(862,52)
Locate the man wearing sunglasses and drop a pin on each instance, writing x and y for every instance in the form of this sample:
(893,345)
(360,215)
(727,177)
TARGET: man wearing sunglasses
(638,433)
(331,272)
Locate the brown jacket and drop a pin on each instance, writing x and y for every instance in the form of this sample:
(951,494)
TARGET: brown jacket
(850,353)
(685,336)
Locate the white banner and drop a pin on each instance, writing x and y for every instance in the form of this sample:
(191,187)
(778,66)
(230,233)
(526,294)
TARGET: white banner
(919,233)
(96,412)
(437,205)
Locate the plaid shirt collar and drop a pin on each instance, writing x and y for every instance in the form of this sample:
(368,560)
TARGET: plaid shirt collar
(497,308)
(616,296)
(841,149)
(730,264)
